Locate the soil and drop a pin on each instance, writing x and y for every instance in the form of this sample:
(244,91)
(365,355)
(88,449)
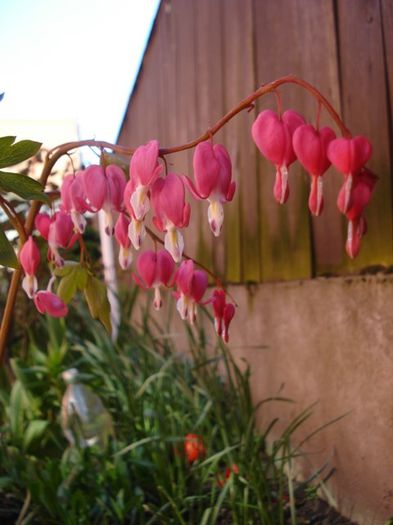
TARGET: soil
(308,512)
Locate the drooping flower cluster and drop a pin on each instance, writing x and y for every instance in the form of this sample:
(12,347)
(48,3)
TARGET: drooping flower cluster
(45,300)
(281,138)
(106,188)
(284,138)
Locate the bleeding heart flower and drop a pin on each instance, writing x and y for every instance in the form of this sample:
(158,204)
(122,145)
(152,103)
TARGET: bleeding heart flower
(310,146)
(155,269)
(194,447)
(42,223)
(213,174)
(58,231)
(144,171)
(121,234)
(223,313)
(362,189)
(104,189)
(29,258)
(348,156)
(273,136)
(49,303)
(171,212)
(191,286)
(73,200)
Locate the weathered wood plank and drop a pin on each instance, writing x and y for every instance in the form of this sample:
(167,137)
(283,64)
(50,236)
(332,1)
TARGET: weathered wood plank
(327,229)
(186,104)
(284,230)
(364,102)
(241,216)
(208,75)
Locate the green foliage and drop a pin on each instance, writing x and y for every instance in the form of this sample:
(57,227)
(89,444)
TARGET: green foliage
(74,277)
(7,254)
(156,397)
(22,185)
(12,152)
(97,301)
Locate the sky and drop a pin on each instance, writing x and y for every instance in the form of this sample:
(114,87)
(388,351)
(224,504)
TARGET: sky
(72,59)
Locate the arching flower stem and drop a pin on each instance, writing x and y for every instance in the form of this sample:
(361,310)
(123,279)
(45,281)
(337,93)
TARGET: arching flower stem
(64,149)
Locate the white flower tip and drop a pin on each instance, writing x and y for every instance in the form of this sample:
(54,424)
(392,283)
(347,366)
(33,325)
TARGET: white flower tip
(140,202)
(136,233)
(174,244)
(125,258)
(215,214)
(30,285)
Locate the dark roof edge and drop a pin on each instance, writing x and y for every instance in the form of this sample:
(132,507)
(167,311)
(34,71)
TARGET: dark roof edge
(133,88)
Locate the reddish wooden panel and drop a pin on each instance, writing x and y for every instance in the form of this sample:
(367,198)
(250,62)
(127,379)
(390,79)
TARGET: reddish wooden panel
(327,229)
(241,216)
(285,236)
(209,77)
(387,19)
(364,101)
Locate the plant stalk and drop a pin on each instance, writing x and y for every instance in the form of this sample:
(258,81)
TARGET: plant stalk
(57,152)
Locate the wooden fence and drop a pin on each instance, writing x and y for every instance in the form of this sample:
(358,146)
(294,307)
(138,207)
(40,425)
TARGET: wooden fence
(204,56)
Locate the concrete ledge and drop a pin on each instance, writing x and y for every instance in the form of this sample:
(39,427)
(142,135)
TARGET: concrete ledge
(328,340)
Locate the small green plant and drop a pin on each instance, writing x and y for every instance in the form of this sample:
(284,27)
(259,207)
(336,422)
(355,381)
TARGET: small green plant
(157,399)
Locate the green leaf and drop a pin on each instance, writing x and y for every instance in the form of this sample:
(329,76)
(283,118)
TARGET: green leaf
(16,409)
(67,287)
(13,154)
(5,143)
(22,185)
(7,254)
(97,301)
(66,269)
(74,277)
(81,276)
(34,430)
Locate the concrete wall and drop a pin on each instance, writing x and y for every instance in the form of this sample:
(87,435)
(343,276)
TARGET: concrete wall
(329,341)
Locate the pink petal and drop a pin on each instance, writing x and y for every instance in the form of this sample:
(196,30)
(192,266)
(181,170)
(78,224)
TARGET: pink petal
(77,193)
(95,186)
(315,200)
(49,303)
(116,185)
(42,223)
(206,168)
(231,191)
(168,200)
(147,266)
(281,188)
(29,257)
(225,173)
(128,191)
(199,285)
(121,230)
(165,267)
(362,190)
(184,277)
(64,229)
(65,195)
(310,147)
(349,155)
(191,188)
(229,312)
(144,167)
(273,135)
